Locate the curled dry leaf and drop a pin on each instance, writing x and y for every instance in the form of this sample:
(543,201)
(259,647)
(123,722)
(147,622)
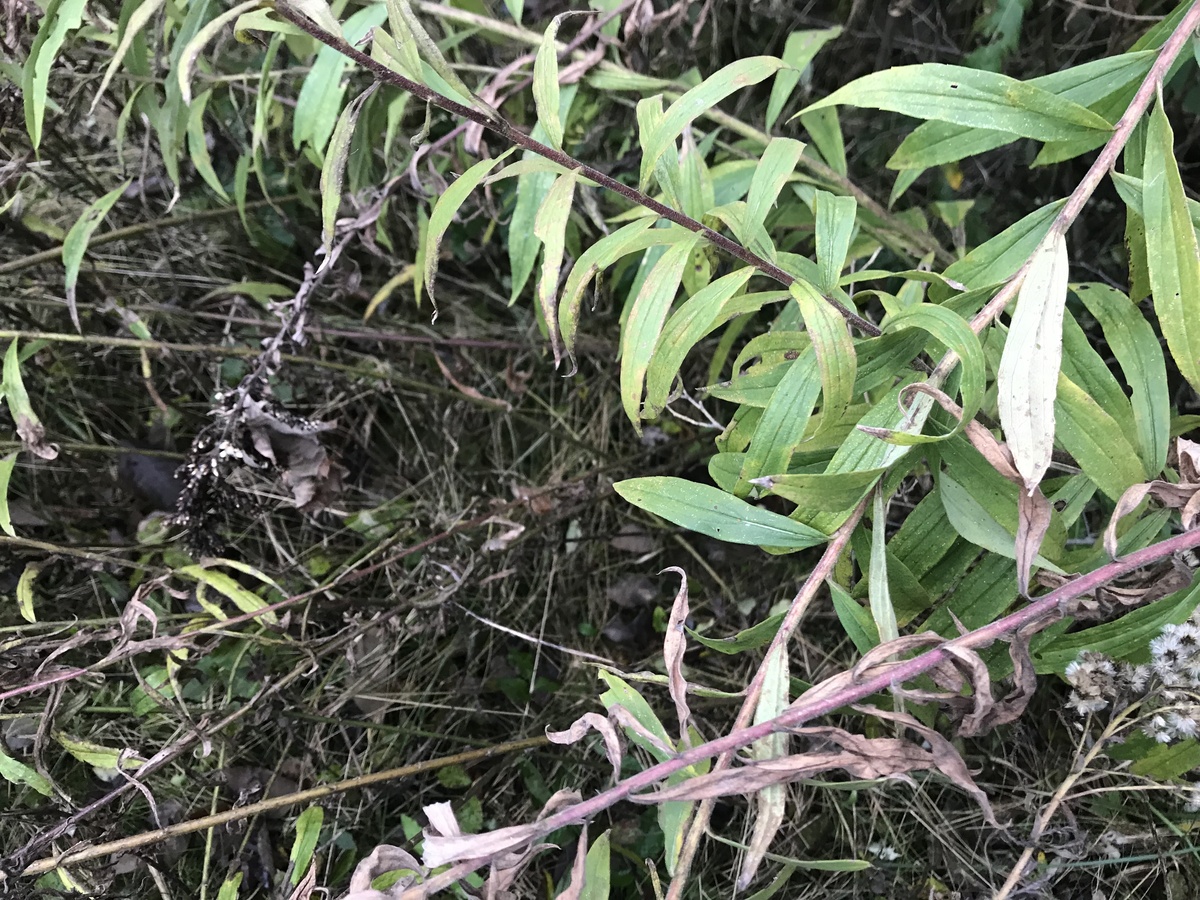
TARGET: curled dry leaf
(574,890)
(1033,521)
(383,859)
(593,722)
(290,442)
(1184,496)
(882,654)
(442,848)
(628,720)
(674,647)
(976,671)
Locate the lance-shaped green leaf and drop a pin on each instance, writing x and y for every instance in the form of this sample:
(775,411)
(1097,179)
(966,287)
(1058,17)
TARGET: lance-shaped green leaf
(133,27)
(700,99)
(953,331)
(192,50)
(798,51)
(402,46)
(532,187)
(784,421)
(777,164)
(320,99)
(632,238)
(334,169)
(76,243)
(545,82)
(834,347)
(60,19)
(1096,441)
(712,512)
(999,257)
(308,833)
(16,772)
(969,97)
(981,524)
(197,142)
(7,464)
(882,611)
(550,227)
(245,600)
(934,143)
(446,208)
(430,52)
(825,129)
(699,315)
(1136,348)
(1027,379)
(645,322)
(834,228)
(1172,254)
(821,491)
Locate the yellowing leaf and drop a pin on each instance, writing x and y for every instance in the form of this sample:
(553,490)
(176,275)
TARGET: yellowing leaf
(1027,379)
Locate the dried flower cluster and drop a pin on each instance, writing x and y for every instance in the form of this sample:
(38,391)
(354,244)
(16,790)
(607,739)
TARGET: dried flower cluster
(1170,682)
(250,430)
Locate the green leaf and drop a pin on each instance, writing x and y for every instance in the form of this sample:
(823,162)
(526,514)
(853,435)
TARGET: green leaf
(431,54)
(711,91)
(620,694)
(7,464)
(969,97)
(798,52)
(883,614)
(532,188)
(545,82)
(953,331)
(1172,254)
(16,772)
(825,130)
(855,619)
(334,169)
(632,238)
(230,887)
(777,164)
(978,523)
(703,312)
(822,491)
(713,512)
(784,421)
(308,832)
(25,591)
(1136,348)
(1027,379)
(76,243)
(748,639)
(834,348)
(446,208)
(834,228)
(550,227)
(644,325)
(937,143)
(246,601)
(319,13)
(133,27)
(193,48)
(596,871)
(198,146)
(998,258)
(61,18)
(1096,441)
(320,99)
(403,46)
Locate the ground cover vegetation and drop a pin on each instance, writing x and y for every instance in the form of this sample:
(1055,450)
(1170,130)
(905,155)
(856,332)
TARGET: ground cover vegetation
(620,449)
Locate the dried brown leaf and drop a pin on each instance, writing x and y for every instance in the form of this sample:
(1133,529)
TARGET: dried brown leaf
(977,673)
(383,859)
(33,436)
(944,758)
(593,722)
(674,647)
(578,868)
(1174,496)
(1033,521)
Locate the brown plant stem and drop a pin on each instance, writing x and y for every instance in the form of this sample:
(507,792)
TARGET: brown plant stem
(791,620)
(124,845)
(520,139)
